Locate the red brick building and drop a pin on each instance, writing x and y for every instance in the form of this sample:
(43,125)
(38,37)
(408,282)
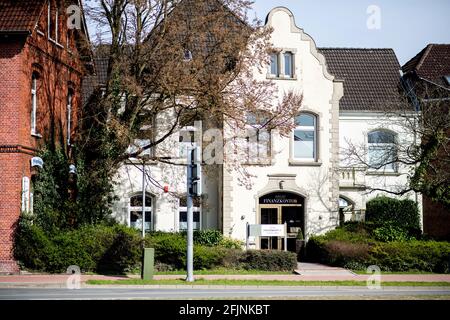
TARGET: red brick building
(427,78)
(42,62)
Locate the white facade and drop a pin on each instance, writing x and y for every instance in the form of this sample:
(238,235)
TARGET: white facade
(292,187)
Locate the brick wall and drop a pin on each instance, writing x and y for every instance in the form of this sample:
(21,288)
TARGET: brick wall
(59,69)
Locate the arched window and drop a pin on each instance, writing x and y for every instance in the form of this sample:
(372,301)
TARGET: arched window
(382,150)
(305,137)
(183,214)
(135,212)
(34,102)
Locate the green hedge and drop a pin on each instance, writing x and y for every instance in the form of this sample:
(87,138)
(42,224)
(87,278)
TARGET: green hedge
(96,248)
(170,253)
(118,249)
(340,248)
(389,211)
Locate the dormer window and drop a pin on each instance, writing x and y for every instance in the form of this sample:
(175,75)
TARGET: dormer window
(274,65)
(282,64)
(288,65)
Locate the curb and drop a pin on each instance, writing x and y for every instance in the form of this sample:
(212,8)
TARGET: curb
(218,287)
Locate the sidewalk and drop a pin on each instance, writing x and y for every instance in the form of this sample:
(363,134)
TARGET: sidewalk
(59,280)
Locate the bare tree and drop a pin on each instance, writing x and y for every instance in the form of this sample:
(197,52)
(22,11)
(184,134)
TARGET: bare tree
(179,61)
(416,142)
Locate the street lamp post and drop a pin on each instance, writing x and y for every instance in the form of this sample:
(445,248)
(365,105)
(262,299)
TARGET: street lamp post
(143,198)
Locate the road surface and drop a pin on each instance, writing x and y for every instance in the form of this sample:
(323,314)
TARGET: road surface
(209,293)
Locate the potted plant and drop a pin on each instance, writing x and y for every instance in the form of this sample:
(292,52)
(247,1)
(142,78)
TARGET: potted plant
(299,242)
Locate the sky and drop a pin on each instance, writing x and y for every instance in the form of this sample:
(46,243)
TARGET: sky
(406,26)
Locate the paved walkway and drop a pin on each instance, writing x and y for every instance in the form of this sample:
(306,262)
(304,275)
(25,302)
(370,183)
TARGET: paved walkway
(304,272)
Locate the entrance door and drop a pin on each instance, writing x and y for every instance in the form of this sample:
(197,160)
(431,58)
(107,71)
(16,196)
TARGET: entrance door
(270,216)
(280,208)
(293,217)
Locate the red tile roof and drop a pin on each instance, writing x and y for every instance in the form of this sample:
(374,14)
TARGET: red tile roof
(19,15)
(371,77)
(432,63)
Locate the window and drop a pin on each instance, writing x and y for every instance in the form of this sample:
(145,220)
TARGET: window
(258,138)
(69,115)
(34,103)
(53,21)
(288,65)
(186,140)
(274,69)
(135,212)
(305,137)
(183,214)
(382,151)
(25,194)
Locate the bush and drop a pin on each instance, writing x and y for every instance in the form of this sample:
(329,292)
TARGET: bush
(208,237)
(388,233)
(96,248)
(390,211)
(270,260)
(412,255)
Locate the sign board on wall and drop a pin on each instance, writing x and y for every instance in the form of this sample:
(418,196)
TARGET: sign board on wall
(267,230)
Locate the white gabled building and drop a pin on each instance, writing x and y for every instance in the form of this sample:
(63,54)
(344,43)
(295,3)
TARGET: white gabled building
(304,183)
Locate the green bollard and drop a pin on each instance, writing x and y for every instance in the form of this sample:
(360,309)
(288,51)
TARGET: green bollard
(148,264)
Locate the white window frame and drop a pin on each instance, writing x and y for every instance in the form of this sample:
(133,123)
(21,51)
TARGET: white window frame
(139,209)
(381,146)
(49,22)
(182,146)
(69,115)
(304,129)
(277,57)
(25,194)
(291,73)
(34,102)
(194,210)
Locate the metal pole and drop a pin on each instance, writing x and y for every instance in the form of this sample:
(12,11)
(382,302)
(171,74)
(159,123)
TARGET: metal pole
(285,236)
(190,222)
(143,198)
(247,234)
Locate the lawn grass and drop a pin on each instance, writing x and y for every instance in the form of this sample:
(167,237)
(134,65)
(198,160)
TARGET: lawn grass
(395,272)
(225,282)
(222,271)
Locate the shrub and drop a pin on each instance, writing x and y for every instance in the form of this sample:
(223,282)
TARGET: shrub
(93,248)
(270,260)
(388,233)
(231,243)
(401,213)
(402,255)
(170,248)
(208,237)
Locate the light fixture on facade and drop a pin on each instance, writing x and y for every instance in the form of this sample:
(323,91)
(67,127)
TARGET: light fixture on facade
(37,162)
(72,169)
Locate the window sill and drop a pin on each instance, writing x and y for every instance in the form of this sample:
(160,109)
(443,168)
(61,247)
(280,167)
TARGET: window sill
(258,164)
(383,173)
(56,43)
(300,163)
(280,77)
(36,135)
